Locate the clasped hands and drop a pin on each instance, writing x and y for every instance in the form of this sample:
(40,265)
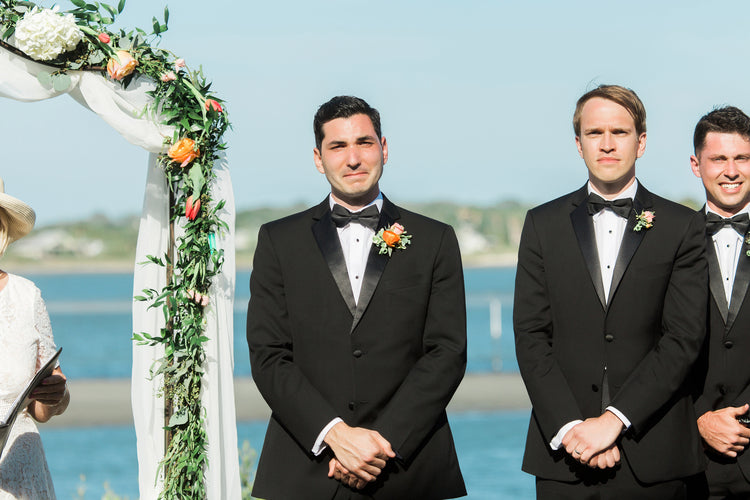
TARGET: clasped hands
(721,431)
(360,454)
(593,441)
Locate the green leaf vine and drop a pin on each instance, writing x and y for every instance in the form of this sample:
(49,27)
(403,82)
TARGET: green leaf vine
(182,98)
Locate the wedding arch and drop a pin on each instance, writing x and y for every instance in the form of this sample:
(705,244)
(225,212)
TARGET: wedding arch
(182,378)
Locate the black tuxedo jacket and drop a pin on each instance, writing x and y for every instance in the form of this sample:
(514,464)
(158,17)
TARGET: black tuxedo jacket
(725,362)
(647,334)
(390,363)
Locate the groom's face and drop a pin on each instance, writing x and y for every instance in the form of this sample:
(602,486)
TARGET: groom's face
(609,145)
(352,157)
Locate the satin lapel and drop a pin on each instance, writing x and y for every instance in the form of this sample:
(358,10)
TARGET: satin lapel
(375,264)
(583,225)
(330,246)
(631,240)
(714,279)
(739,289)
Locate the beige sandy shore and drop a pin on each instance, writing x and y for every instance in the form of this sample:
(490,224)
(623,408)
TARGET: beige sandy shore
(107,402)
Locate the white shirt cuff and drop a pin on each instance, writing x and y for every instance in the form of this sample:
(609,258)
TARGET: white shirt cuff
(557,440)
(319,445)
(619,415)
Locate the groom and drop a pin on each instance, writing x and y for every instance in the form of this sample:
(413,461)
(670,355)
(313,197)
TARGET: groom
(609,316)
(356,346)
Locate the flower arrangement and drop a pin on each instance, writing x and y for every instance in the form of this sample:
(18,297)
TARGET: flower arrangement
(644,219)
(83,39)
(393,236)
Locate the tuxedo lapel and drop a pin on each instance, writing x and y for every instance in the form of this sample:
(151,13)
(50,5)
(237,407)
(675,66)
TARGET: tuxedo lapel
(631,240)
(376,263)
(328,241)
(583,225)
(739,289)
(714,279)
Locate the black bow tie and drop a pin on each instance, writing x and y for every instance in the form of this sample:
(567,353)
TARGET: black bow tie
(714,222)
(621,207)
(368,217)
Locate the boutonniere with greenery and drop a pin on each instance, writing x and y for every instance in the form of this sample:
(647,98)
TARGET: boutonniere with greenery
(393,236)
(645,219)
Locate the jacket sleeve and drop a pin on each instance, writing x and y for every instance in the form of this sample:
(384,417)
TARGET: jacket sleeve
(551,398)
(295,402)
(662,373)
(419,403)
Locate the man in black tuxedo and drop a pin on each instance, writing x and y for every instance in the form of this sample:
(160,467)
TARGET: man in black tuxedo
(609,316)
(722,161)
(356,346)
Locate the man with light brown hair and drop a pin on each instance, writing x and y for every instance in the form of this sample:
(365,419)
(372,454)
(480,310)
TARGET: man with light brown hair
(609,316)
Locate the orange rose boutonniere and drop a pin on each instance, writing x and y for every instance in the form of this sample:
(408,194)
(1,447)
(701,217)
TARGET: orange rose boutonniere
(393,236)
(184,151)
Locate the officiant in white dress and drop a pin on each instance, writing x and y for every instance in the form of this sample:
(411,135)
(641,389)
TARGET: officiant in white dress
(26,343)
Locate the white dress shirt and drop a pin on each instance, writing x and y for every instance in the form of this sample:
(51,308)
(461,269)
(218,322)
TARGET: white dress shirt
(609,228)
(728,244)
(356,242)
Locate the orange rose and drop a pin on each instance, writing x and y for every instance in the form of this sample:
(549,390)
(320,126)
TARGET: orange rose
(390,238)
(184,151)
(125,66)
(211,104)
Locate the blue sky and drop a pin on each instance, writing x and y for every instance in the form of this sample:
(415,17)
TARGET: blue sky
(476,96)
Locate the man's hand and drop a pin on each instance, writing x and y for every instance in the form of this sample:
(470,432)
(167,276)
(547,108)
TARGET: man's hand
(362,452)
(722,432)
(339,473)
(605,459)
(592,436)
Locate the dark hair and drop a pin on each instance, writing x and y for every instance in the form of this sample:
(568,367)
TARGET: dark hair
(343,106)
(726,120)
(615,93)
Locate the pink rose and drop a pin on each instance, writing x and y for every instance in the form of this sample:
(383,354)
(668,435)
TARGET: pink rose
(103,37)
(213,105)
(168,76)
(397,229)
(649,216)
(179,63)
(204,300)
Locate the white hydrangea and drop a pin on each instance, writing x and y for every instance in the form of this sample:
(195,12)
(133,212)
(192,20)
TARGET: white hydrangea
(44,34)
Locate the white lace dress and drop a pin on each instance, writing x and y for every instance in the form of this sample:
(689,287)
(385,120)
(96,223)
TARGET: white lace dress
(25,344)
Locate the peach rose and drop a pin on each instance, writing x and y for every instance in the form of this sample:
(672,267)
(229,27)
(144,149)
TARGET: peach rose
(126,65)
(184,151)
(390,238)
(168,76)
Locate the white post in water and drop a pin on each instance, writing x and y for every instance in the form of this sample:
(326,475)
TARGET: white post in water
(496,330)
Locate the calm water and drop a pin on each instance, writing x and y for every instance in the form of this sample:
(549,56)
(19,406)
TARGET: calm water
(489,448)
(90,316)
(91,319)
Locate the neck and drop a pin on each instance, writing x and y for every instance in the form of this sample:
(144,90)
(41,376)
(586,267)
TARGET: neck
(611,190)
(354,204)
(725,211)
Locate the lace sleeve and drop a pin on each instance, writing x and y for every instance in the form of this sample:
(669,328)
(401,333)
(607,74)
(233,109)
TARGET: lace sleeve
(44,328)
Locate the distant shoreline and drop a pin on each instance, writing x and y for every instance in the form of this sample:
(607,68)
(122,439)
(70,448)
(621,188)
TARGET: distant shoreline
(121,267)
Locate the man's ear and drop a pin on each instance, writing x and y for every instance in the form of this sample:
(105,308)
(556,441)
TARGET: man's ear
(318,161)
(384,146)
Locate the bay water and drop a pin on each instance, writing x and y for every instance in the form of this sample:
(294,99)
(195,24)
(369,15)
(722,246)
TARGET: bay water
(91,319)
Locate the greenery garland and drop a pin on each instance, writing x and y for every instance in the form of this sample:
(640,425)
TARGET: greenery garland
(81,39)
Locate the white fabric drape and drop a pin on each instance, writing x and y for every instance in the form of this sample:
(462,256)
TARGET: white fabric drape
(122,110)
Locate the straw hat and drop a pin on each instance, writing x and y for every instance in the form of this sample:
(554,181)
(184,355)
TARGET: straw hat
(20,218)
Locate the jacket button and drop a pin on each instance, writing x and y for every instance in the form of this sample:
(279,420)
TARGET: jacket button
(722,389)
(357,353)
(728,344)
(594,387)
(609,337)
(351,405)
